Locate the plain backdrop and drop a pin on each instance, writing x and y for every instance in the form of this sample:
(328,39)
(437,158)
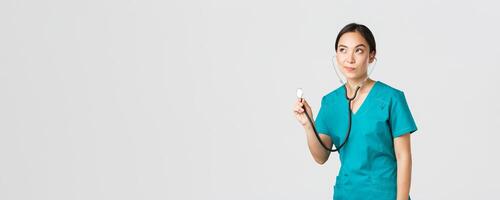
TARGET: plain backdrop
(108,99)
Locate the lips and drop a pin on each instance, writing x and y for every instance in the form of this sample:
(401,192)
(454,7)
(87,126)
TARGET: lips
(349,69)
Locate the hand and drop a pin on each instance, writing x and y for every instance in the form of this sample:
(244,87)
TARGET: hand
(298,110)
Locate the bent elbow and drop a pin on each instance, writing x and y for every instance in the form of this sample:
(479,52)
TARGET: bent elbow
(320,161)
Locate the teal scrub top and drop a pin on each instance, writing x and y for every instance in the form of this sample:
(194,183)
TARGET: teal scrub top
(368,161)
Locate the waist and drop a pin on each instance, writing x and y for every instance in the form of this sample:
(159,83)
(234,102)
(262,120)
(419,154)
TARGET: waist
(368,181)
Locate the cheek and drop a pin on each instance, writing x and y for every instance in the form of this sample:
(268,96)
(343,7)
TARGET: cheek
(363,58)
(340,58)
(362,61)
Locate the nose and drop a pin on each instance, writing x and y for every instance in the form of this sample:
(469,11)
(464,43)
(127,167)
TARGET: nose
(350,58)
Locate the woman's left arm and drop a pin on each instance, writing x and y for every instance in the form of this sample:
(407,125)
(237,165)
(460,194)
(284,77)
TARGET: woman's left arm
(402,148)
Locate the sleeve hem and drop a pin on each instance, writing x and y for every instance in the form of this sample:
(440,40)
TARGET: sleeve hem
(404,131)
(321,131)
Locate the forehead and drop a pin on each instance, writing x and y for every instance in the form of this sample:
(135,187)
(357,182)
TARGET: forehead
(352,39)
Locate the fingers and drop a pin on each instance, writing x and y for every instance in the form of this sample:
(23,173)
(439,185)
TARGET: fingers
(305,103)
(298,109)
(299,106)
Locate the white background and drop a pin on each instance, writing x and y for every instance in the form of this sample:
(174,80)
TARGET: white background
(107,99)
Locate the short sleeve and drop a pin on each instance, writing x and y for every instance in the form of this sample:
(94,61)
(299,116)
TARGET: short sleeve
(401,120)
(320,123)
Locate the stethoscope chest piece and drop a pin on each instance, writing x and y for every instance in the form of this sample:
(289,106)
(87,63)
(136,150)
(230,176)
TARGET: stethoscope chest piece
(300,93)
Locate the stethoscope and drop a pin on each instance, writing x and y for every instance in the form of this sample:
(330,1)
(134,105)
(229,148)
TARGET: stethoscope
(300,94)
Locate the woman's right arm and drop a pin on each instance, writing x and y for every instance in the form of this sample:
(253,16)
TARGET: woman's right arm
(319,154)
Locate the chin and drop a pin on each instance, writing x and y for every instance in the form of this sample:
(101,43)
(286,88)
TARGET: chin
(351,76)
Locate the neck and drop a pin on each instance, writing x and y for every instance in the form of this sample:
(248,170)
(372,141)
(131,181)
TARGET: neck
(355,82)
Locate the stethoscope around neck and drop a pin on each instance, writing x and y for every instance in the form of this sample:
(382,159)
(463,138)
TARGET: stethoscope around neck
(300,94)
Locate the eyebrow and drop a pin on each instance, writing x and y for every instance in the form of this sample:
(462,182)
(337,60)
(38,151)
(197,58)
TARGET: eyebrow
(359,45)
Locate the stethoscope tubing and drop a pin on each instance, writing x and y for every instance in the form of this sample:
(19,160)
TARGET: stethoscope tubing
(348,105)
(348,127)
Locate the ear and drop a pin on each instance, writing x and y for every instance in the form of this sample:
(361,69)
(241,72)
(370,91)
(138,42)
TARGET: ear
(372,56)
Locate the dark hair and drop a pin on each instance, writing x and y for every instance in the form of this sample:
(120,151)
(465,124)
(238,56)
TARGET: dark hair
(363,30)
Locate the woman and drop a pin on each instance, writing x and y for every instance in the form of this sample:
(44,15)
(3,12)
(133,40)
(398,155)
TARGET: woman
(376,160)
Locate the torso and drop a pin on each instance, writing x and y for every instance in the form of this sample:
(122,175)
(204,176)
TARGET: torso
(368,162)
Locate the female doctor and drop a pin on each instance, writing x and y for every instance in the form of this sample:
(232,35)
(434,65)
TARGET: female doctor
(376,160)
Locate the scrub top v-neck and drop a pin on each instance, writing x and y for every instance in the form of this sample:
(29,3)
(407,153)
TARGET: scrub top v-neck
(368,162)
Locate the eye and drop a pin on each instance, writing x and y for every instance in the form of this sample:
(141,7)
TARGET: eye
(342,50)
(359,51)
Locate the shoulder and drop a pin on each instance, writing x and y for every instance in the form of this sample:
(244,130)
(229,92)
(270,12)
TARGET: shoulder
(388,90)
(333,96)
(389,93)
